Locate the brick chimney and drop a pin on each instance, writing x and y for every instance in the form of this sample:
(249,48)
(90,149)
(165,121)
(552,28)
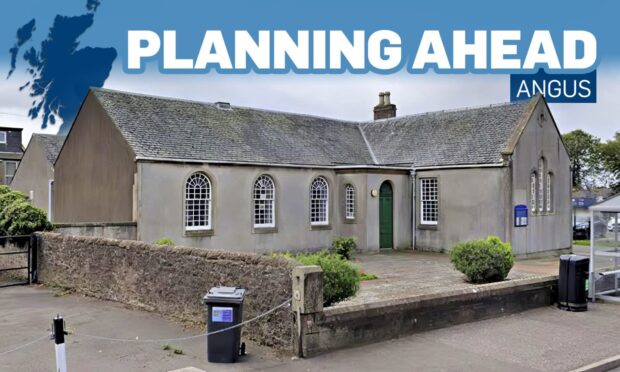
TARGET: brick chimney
(385,109)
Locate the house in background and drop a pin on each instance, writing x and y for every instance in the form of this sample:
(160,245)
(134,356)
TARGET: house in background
(11,151)
(582,200)
(35,174)
(233,178)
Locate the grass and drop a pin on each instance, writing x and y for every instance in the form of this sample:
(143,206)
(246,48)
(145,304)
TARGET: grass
(368,276)
(174,349)
(598,243)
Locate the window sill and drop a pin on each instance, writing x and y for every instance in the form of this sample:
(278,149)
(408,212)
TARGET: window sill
(198,233)
(350,220)
(320,227)
(428,227)
(264,230)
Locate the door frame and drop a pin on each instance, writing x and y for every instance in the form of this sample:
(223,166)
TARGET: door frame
(389,183)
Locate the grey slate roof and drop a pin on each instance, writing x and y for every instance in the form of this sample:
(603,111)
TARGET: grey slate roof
(168,128)
(51,145)
(165,128)
(468,136)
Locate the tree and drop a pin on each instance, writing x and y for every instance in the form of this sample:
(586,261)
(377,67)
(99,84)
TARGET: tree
(584,152)
(610,156)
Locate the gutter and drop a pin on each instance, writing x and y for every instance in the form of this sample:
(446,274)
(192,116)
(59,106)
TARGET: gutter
(282,165)
(189,161)
(460,166)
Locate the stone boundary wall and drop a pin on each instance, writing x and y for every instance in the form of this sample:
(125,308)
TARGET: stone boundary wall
(112,230)
(171,280)
(320,330)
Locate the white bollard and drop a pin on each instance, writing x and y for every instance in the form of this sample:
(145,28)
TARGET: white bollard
(59,341)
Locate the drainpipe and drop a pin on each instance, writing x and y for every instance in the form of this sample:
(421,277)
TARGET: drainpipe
(413,205)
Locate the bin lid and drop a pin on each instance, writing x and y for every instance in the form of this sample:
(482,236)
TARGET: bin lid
(225,294)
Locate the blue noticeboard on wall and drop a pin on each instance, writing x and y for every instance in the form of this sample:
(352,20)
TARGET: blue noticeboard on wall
(520,215)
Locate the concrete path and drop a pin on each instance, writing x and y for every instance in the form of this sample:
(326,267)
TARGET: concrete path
(544,339)
(405,274)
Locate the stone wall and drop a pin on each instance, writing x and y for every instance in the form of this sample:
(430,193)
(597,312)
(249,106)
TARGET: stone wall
(171,280)
(117,230)
(321,330)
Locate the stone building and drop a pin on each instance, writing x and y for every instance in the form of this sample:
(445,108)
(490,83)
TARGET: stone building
(35,174)
(235,178)
(11,151)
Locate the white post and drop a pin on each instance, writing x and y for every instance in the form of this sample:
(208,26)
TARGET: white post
(59,341)
(50,191)
(592,279)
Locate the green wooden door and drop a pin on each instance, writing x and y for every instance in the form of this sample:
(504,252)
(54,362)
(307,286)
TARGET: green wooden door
(386,216)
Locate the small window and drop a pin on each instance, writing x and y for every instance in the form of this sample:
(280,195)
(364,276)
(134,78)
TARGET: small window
(319,202)
(2,136)
(549,206)
(197,202)
(9,171)
(349,202)
(541,184)
(429,208)
(264,199)
(533,197)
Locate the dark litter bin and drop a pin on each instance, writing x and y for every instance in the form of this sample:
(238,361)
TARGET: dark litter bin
(224,309)
(573,282)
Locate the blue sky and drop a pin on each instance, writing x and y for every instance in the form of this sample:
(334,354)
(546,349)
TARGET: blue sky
(346,96)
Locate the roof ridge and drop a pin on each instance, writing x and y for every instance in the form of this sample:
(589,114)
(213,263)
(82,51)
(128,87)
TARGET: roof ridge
(168,98)
(452,110)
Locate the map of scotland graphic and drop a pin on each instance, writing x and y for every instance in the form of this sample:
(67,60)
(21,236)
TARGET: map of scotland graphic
(60,70)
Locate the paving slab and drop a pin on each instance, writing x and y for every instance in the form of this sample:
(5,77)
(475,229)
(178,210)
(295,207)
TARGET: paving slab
(404,274)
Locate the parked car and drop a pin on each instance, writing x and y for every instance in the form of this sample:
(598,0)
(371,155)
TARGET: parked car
(581,230)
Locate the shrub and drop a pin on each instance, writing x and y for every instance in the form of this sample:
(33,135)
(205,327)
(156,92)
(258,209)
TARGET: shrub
(4,189)
(344,246)
(8,198)
(21,218)
(483,261)
(165,241)
(341,279)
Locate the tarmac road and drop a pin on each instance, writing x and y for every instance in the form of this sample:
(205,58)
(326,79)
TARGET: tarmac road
(545,339)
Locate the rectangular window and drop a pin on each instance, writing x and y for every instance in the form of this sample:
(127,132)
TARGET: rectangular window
(2,136)
(549,205)
(9,171)
(533,182)
(429,201)
(350,202)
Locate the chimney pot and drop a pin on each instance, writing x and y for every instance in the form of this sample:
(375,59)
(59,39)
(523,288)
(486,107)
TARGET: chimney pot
(386,98)
(385,109)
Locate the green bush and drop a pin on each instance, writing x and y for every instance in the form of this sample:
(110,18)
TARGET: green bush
(8,198)
(21,218)
(4,189)
(341,279)
(483,261)
(165,241)
(344,246)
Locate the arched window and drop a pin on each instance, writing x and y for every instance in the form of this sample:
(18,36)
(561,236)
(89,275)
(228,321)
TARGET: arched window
(349,202)
(319,202)
(264,202)
(549,205)
(533,186)
(541,184)
(198,202)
